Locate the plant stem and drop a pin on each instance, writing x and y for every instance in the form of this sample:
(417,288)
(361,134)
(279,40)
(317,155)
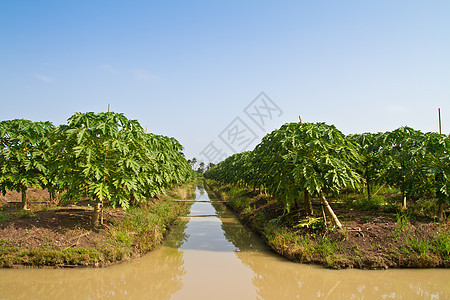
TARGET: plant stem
(24,198)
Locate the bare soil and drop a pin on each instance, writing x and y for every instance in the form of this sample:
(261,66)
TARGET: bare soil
(64,227)
(33,195)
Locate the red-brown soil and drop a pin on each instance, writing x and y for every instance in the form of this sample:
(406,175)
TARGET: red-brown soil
(33,195)
(61,235)
(63,227)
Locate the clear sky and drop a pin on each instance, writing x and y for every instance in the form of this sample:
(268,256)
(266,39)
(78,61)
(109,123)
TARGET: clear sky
(187,69)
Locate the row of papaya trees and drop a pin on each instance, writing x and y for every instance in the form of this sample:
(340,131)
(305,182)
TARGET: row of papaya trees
(303,160)
(105,157)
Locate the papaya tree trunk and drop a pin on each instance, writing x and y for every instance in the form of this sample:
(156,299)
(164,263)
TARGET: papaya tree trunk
(24,198)
(368,189)
(440,210)
(324,215)
(404,201)
(308,203)
(96,214)
(334,219)
(101,213)
(53,197)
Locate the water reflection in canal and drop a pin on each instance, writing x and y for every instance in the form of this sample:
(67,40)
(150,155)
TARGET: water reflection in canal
(217,258)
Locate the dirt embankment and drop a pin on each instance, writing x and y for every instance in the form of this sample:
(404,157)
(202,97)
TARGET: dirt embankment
(369,239)
(63,227)
(62,236)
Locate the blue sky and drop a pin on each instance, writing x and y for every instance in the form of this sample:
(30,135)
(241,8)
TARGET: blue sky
(188,68)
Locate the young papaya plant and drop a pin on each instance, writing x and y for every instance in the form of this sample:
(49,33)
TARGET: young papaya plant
(23,160)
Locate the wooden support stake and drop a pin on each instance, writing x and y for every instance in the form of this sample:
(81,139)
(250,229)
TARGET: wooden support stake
(109,107)
(324,215)
(440,204)
(334,219)
(439,113)
(146,127)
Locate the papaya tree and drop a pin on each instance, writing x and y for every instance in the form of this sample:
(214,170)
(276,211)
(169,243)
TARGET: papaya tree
(371,166)
(275,160)
(311,157)
(437,164)
(325,163)
(109,158)
(100,156)
(403,151)
(171,164)
(23,160)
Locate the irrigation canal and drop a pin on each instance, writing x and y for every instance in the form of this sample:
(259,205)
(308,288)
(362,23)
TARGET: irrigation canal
(210,255)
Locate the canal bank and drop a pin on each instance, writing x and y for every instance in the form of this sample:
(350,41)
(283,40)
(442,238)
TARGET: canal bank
(62,236)
(368,240)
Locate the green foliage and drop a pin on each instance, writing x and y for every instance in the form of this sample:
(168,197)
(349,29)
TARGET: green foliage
(370,146)
(436,164)
(25,214)
(442,244)
(402,225)
(312,156)
(239,203)
(144,227)
(410,243)
(104,156)
(375,203)
(3,217)
(303,248)
(24,159)
(311,222)
(318,158)
(45,255)
(109,158)
(403,152)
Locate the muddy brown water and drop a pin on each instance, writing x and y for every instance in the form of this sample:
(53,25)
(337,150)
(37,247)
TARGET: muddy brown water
(215,257)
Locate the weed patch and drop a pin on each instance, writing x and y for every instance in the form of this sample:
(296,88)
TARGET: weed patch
(3,217)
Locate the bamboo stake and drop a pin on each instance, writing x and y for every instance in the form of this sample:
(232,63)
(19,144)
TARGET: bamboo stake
(324,215)
(379,190)
(440,205)
(101,203)
(330,211)
(146,127)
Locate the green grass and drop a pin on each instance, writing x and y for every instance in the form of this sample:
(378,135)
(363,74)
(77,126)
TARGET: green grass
(45,255)
(441,244)
(302,247)
(3,217)
(411,244)
(144,227)
(377,202)
(26,214)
